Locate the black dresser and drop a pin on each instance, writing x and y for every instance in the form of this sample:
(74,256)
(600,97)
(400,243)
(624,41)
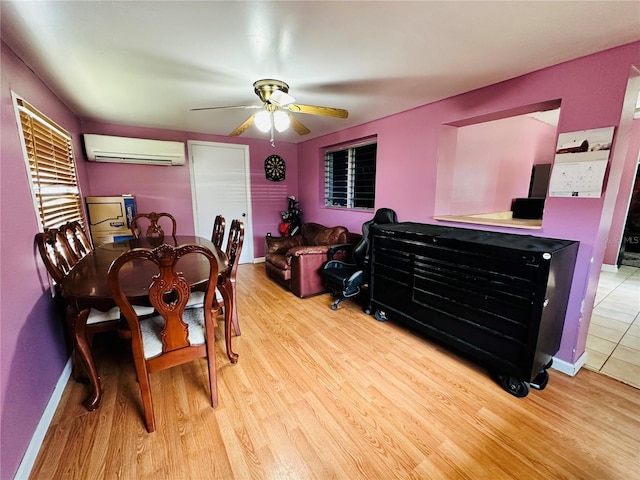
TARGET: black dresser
(499,299)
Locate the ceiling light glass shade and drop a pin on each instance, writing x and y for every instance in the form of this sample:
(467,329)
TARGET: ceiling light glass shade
(281,120)
(263,121)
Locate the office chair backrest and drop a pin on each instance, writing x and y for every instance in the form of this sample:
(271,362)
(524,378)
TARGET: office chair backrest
(381,217)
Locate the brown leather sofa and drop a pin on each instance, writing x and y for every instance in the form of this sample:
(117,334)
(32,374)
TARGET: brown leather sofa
(295,262)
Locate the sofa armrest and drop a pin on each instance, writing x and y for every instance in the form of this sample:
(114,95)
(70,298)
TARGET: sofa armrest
(282,244)
(305,274)
(308,250)
(344,248)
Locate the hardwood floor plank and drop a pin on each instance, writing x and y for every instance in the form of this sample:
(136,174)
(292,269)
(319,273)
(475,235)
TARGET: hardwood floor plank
(323,394)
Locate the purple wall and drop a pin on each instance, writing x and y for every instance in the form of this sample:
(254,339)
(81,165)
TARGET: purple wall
(159,188)
(591,90)
(33,349)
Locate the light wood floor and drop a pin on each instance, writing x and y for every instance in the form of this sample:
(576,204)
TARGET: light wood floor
(322,394)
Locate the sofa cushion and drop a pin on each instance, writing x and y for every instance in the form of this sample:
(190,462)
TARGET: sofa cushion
(307,250)
(280,245)
(279,260)
(316,234)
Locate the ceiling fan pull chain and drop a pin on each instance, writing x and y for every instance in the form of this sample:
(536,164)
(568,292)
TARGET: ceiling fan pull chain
(273,144)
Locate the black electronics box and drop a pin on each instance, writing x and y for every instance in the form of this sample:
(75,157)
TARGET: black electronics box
(528,208)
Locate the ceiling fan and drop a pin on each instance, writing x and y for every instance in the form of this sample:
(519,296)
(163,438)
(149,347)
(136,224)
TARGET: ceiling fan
(274,111)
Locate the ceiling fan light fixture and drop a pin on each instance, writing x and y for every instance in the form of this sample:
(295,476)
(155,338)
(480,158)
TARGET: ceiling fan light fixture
(281,120)
(263,121)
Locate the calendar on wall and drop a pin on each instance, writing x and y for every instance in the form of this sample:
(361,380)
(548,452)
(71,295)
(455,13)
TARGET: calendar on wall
(580,163)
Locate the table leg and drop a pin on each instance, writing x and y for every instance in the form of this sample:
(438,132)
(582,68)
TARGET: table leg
(77,324)
(227,296)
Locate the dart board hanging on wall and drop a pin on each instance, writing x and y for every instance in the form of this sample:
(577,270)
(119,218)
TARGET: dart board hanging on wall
(274,168)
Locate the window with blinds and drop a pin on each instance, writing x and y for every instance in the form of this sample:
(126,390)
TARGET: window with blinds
(350,176)
(51,167)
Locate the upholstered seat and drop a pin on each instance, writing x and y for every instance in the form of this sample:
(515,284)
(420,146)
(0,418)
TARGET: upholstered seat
(345,278)
(152,327)
(295,262)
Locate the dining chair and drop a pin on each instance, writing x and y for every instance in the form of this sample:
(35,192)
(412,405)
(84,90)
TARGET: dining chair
(154,229)
(218,231)
(176,335)
(227,278)
(58,260)
(76,238)
(56,254)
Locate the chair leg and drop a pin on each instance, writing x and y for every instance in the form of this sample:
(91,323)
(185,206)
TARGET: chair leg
(225,289)
(147,402)
(234,310)
(213,375)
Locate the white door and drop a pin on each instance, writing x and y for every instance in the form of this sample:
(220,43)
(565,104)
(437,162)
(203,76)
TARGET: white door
(220,185)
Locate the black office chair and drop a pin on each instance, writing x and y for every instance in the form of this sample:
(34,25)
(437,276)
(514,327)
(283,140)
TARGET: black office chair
(345,279)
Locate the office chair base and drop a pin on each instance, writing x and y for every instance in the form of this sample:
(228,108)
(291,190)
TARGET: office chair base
(351,292)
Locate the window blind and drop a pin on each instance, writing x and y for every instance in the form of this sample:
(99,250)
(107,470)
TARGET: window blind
(350,176)
(52,168)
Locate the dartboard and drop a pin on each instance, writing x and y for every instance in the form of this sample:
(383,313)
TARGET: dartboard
(274,168)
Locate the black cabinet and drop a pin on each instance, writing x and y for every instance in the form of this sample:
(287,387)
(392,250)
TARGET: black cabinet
(500,299)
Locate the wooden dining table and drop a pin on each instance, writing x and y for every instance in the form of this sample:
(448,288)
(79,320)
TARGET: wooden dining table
(86,287)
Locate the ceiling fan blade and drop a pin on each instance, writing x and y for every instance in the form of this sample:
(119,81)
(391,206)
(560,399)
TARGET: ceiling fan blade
(222,108)
(242,128)
(316,110)
(280,98)
(298,126)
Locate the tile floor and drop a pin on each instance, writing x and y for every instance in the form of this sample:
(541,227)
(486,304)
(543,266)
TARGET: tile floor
(613,341)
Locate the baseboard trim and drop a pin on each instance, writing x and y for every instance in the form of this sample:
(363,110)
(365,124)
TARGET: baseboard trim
(258,260)
(609,268)
(569,368)
(29,458)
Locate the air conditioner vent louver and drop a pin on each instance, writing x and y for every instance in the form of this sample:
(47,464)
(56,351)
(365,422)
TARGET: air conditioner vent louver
(105,148)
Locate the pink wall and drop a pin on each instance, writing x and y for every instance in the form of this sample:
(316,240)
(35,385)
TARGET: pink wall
(489,164)
(627,180)
(159,188)
(591,90)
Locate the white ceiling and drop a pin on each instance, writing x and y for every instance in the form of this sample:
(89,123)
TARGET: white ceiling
(146,63)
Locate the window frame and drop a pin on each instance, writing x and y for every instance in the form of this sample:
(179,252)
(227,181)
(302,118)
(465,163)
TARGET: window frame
(55,189)
(351,175)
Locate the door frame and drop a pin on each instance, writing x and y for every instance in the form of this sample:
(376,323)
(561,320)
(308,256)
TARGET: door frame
(248,222)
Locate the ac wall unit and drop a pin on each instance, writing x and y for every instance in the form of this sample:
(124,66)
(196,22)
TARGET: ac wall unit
(105,148)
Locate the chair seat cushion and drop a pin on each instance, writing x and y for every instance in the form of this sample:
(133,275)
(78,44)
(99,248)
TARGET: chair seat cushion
(343,275)
(97,316)
(196,299)
(152,326)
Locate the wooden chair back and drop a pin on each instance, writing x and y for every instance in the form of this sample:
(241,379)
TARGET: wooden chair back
(77,239)
(56,254)
(176,335)
(227,280)
(218,231)
(234,247)
(154,228)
